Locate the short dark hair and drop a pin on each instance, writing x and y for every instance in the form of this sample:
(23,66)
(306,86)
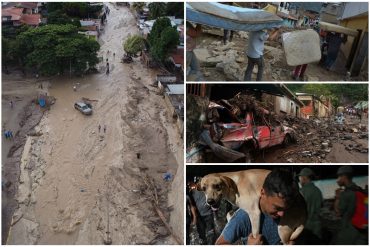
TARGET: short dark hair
(281,182)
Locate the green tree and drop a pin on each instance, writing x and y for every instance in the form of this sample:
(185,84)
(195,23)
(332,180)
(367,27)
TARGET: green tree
(156,10)
(162,39)
(7,52)
(338,93)
(71,9)
(61,18)
(175,9)
(168,40)
(138,6)
(52,49)
(133,44)
(159,25)
(77,9)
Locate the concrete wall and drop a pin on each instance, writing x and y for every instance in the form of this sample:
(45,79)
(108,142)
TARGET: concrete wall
(287,106)
(361,22)
(176,195)
(354,9)
(171,109)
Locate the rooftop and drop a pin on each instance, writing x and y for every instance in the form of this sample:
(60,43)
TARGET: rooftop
(14,12)
(32,20)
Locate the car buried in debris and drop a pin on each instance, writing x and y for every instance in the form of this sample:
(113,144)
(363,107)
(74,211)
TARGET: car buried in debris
(234,138)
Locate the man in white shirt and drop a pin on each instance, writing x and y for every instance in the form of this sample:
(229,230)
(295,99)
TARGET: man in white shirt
(256,45)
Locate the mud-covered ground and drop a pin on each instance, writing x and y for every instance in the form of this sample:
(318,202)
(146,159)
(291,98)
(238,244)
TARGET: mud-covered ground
(79,185)
(228,62)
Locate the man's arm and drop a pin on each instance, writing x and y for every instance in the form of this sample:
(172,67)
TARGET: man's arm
(194,214)
(221,241)
(274,34)
(336,202)
(239,226)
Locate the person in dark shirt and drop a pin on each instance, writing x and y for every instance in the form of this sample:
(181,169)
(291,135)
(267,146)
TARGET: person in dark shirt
(334,41)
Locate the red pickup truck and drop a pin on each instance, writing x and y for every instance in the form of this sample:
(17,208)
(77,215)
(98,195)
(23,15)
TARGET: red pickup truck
(240,140)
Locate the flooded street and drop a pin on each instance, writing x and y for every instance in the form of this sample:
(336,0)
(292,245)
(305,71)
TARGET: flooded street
(82,185)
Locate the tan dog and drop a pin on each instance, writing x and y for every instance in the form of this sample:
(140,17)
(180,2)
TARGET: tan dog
(243,189)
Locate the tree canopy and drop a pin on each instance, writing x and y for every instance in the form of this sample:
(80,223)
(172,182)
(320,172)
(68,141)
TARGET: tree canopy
(160,9)
(74,9)
(162,39)
(156,10)
(175,9)
(52,49)
(133,44)
(339,93)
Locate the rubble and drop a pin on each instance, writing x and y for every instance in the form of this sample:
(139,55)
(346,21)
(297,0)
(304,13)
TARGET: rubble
(316,138)
(213,54)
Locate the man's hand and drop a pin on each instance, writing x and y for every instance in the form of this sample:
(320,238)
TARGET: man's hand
(254,240)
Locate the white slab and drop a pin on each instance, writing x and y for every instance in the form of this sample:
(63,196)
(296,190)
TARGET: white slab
(234,13)
(325,26)
(301,47)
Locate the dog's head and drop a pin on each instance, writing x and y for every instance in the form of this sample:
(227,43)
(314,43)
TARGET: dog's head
(216,187)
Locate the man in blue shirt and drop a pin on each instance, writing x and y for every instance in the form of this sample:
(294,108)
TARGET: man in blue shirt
(278,192)
(256,45)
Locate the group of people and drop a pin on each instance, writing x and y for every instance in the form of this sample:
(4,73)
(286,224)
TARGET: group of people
(8,134)
(331,43)
(279,190)
(104,128)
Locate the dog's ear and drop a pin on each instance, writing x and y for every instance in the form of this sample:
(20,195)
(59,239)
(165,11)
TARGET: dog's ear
(229,183)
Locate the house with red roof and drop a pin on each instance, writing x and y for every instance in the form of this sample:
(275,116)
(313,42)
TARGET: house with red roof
(16,16)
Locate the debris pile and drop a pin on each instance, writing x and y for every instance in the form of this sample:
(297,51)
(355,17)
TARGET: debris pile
(316,138)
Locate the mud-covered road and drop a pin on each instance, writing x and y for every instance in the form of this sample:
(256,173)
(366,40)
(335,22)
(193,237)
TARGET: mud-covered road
(79,185)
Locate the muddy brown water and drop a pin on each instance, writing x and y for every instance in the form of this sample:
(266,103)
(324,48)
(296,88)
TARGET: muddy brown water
(86,177)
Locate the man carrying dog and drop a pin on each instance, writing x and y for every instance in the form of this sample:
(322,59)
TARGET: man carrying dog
(278,193)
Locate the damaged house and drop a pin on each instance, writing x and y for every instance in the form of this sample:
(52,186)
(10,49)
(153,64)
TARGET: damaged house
(315,106)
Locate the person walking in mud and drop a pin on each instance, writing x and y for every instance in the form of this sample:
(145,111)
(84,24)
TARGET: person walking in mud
(99,127)
(107,72)
(256,44)
(105,128)
(11,104)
